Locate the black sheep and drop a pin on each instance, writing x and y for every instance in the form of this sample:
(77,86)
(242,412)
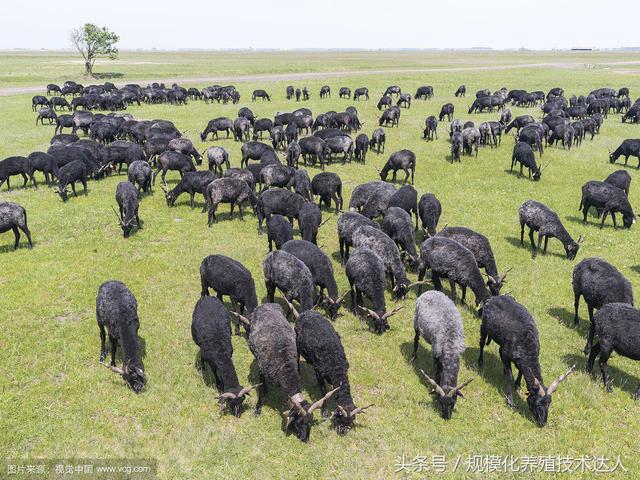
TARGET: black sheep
(42,162)
(372,198)
(449,259)
(15,166)
(321,271)
(406,197)
(397,225)
(620,179)
(456,146)
(14,217)
(286,272)
(609,199)
(320,345)
(301,184)
(401,160)
(378,140)
(170,160)
(228,190)
(628,148)
(191,183)
(227,276)
(347,224)
(243,174)
(366,273)
(540,218)
(278,200)
(429,209)
(479,245)
(211,332)
(139,173)
(328,186)
(69,174)
(618,330)
(273,343)
(362,146)
(599,283)
(128,198)
(279,231)
(523,154)
(309,221)
(117,310)
(508,324)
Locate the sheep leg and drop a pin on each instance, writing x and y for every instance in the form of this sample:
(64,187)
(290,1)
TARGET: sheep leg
(262,391)
(103,347)
(452,285)
(540,237)
(518,383)
(114,346)
(416,340)
(271,290)
(546,241)
(522,234)
(592,331)
(435,278)
(353,297)
(231,213)
(605,212)
(464,292)
(604,356)
(323,392)
(506,363)
(483,340)
(16,232)
(576,304)
(533,245)
(337,201)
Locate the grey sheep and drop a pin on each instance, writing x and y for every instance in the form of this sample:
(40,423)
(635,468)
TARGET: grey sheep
(348,223)
(139,173)
(229,190)
(301,184)
(217,157)
(397,225)
(289,274)
(128,198)
(437,320)
(14,217)
(280,201)
(371,198)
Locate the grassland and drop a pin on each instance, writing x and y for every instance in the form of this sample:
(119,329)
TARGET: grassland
(58,401)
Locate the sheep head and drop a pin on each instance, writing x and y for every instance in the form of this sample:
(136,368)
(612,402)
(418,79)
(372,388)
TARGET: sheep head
(447,396)
(539,397)
(232,402)
(299,417)
(343,421)
(380,322)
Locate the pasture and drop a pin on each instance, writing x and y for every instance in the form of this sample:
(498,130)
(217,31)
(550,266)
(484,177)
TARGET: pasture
(58,401)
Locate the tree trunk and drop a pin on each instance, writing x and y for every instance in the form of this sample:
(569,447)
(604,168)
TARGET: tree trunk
(88,68)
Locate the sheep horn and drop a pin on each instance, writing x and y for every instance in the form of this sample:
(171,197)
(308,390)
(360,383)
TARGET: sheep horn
(538,385)
(242,318)
(114,369)
(290,305)
(456,391)
(286,419)
(436,388)
(371,313)
(560,379)
(393,312)
(296,404)
(504,275)
(343,412)
(117,216)
(358,410)
(320,402)
(246,390)
(581,239)
(228,396)
(342,298)
(416,284)
(324,223)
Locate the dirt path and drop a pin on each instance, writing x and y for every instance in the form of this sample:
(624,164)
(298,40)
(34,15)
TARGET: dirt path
(278,77)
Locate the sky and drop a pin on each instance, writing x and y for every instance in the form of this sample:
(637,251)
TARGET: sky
(366,24)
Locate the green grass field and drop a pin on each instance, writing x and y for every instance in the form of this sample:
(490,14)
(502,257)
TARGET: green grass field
(58,402)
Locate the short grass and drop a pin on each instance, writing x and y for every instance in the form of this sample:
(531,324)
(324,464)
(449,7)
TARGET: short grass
(58,401)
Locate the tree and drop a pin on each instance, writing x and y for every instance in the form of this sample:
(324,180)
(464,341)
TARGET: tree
(93,41)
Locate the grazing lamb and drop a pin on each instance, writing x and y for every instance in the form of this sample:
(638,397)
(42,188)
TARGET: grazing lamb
(117,310)
(599,283)
(279,231)
(320,345)
(366,273)
(211,332)
(510,325)
(69,174)
(226,276)
(438,321)
(328,186)
(618,330)
(128,198)
(286,272)
(191,183)
(609,199)
(429,210)
(401,160)
(540,218)
(273,343)
(479,245)
(14,217)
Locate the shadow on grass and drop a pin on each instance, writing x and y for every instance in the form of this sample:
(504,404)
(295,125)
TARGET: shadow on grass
(619,378)
(9,246)
(515,241)
(107,75)
(565,316)
(516,173)
(636,268)
(424,361)
(493,373)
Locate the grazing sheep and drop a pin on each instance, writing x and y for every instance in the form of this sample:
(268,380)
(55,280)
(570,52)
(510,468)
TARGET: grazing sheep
(191,183)
(279,231)
(128,198)
(117,310)
(348,223)
(139,173)
(618,330)
(362,146)
(620,179)
(226,276)
(366,273)
(388,251)
(276,175)
(309,221)
(280,201)
(447,258)
(211,332)
(72,172)
(401,160)
(321,271)
(479,245)
(510,325)
(217,157)
(599,283)
(438,321)
(273,343)
(14,217)
(406,197)
(286,272)
(243,174)
(397,225)
(328,186)
(15,166)
(540,218)
(320,345)
(429,210)
(378,140)
(42,162)
(301,184)
(228,190)
(609,199)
